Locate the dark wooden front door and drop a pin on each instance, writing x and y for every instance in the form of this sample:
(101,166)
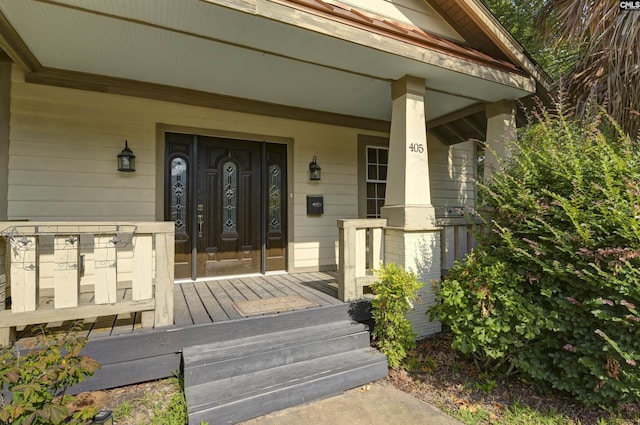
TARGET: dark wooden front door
(228,200)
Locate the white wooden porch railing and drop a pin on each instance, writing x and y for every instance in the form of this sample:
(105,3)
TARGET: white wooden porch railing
(456,240)
(74,270)
(361,250)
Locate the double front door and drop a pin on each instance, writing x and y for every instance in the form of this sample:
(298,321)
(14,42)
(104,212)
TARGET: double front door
(227,198)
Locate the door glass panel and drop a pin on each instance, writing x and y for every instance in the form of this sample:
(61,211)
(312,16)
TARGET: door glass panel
(179,182)
(230,197)
(275,198)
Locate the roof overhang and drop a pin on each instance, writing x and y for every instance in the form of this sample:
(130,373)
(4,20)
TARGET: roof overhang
(279,52)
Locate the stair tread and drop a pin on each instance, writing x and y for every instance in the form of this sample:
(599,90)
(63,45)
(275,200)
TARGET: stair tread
(229,390)
(281,398)
(196,355)
(275,356)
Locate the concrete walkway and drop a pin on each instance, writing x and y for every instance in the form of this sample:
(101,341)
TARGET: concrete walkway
(372,405)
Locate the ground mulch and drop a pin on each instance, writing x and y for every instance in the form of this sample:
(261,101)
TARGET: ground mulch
(144,399)
(445,379)
(450,381)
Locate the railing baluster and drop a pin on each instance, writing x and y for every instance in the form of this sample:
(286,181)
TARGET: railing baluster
(377,247)
(66,275)
(164,277)
(106,269)
(142,288)
(361,251)
(23,272)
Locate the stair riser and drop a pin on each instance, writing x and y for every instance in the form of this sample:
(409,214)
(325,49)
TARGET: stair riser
(248,385)
(266,359)
(260,325)
(210,353)
(264,403)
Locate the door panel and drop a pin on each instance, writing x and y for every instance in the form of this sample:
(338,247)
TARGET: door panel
(229,176)
(276,207)
(228,200)
(179,199)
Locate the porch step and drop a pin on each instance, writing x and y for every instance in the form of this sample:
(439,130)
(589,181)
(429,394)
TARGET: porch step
(249,376)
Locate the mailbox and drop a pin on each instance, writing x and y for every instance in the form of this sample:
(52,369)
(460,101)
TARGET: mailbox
(315,205)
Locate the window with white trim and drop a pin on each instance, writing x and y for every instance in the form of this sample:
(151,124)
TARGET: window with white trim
(376,179)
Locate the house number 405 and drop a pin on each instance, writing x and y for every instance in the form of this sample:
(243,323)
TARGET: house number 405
(416,147)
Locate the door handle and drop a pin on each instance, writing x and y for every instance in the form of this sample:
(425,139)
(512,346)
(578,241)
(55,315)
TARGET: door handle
(200,223)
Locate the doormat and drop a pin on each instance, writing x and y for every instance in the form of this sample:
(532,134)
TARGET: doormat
(273,305)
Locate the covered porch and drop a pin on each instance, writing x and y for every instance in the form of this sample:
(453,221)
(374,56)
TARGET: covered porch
(215,301)
(118,277)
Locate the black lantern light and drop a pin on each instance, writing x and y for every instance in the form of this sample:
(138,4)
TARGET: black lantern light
(103,417)
(126,159)
(314,169)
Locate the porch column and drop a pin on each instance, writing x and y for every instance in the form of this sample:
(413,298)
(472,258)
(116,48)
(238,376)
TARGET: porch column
(412,239)
(408,195)
(501,129)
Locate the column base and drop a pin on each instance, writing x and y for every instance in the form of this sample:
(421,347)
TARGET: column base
(410,217)
(418,251)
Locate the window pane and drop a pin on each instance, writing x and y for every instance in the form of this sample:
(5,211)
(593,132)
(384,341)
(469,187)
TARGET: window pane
(382,173)
(372,172)
(382,189)
(372,155)
(371,190)
(371,208)
(383,156)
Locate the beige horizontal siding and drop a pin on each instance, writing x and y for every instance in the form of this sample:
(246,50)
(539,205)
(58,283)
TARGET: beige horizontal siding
(452,170)
(64,142)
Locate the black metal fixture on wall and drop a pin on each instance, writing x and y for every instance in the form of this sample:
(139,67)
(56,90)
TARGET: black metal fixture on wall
(126,159)
(314,169)
(103,417)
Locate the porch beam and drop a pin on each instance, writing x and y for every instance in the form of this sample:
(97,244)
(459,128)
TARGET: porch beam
(501,130)
(454,116)
(147,90)
(472,125)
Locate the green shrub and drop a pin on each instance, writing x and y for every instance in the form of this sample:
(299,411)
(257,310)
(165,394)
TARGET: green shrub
(37,381)
(552,290)
(395,293)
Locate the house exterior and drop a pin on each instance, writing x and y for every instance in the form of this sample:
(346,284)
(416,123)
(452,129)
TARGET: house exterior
(226,104)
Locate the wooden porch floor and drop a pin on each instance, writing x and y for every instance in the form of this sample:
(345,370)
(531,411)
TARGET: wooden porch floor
(203,302)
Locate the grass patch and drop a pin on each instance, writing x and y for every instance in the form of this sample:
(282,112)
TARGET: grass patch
(161,403)
(175,413)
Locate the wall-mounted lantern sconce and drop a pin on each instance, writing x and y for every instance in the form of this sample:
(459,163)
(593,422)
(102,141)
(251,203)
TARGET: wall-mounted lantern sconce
(126,159)
(314,169)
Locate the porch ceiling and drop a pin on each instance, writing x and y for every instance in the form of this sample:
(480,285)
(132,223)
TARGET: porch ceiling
(249,49)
